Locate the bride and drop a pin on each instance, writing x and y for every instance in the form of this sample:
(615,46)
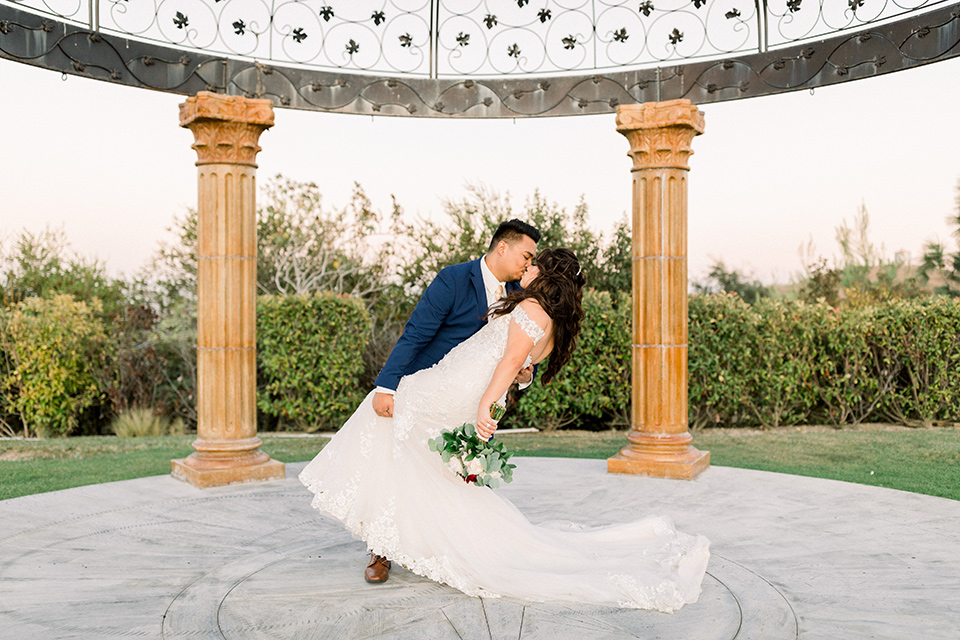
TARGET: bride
(379,478)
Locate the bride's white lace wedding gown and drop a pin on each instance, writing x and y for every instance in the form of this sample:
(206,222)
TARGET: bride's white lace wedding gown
(378,478)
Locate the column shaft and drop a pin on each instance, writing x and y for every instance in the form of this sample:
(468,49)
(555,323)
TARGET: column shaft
(227,446)
(660,135)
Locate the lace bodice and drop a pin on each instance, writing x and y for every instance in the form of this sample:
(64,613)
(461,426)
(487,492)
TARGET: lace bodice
(451,389)
(488,344)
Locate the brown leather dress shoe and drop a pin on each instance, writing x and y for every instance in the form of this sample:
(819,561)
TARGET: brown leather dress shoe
(378,570)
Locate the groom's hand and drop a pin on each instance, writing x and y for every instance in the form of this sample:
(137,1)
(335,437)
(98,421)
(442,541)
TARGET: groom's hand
(525,375)
(383,404)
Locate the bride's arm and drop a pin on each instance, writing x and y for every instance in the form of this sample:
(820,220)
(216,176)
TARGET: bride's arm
(519,346)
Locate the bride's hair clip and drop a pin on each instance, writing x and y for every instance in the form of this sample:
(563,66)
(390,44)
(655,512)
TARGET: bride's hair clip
(579,270)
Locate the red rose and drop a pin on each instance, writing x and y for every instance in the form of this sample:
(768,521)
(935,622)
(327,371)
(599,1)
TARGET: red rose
(470,478)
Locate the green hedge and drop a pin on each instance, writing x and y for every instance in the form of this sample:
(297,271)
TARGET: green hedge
(774,363)
(917,346)
(787,362)
(849,381)
(310,357)
(718,357)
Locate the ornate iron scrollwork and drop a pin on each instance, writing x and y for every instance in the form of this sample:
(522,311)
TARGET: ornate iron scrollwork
(438,59)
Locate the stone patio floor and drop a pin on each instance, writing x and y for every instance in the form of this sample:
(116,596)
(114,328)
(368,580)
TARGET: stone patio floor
(793,557)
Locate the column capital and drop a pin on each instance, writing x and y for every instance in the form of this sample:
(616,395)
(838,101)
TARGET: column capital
(226,128)
(660,133)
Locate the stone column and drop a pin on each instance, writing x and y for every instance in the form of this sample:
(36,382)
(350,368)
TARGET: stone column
(226,129)
(660,135)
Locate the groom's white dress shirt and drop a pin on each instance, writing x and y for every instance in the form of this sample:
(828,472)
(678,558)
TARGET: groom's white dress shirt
(494,288)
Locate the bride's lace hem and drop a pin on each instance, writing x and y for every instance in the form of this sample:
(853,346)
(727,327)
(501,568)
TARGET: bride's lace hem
(338,505)
(665,597)
(383,537)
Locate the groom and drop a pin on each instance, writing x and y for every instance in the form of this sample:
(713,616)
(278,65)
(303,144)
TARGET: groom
(450,311)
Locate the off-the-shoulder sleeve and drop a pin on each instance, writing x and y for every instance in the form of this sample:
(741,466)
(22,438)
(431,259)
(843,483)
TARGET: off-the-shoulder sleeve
(526,323)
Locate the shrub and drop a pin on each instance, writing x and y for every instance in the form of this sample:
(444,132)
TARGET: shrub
(142,423)
(9,421)
(788,361)
(783,358)
(130,372)
(52,343)
(719,359)
(594,388)
(919,347)
(310,349)
(849,379)
(752,365)
(175,340)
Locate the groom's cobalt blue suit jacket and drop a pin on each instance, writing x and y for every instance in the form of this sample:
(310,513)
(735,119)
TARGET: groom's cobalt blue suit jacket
(450,311)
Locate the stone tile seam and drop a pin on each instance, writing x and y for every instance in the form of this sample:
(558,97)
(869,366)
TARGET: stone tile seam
(450,622)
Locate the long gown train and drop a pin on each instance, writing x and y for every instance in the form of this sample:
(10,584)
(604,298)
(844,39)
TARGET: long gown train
(378,477)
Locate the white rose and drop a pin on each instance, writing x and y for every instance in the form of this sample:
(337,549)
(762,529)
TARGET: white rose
(455,466)
(496,474)
(475,467)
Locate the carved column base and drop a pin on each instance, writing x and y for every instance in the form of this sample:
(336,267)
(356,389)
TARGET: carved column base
(667,456)
(218,462)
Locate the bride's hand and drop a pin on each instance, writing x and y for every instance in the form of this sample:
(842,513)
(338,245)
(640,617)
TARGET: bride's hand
(486,426)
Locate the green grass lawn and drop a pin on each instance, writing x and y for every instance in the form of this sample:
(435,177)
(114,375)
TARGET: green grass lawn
(920,460)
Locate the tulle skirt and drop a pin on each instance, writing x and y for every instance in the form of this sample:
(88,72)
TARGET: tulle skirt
(378,477)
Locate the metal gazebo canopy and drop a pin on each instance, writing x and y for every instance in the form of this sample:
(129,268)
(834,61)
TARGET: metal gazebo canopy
(478,58)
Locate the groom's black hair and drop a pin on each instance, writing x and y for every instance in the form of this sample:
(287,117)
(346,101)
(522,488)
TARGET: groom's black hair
(512,230)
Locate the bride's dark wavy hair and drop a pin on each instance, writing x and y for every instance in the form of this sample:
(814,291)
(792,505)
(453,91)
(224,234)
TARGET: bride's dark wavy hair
(559,290)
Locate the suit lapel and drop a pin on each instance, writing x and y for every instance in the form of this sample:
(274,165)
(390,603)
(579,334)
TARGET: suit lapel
(477,276)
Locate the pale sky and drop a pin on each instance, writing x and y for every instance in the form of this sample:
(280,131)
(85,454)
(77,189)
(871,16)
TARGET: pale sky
(110,165)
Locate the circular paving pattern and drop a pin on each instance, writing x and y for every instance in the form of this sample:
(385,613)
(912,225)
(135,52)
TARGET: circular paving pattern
(155,558)
(306,589)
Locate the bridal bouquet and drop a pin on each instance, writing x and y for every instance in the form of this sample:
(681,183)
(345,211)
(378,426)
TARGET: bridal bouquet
(480,463)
